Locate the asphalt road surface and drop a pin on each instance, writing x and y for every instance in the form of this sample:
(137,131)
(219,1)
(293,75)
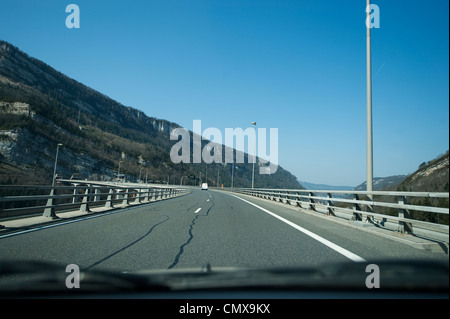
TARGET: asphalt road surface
(203,227)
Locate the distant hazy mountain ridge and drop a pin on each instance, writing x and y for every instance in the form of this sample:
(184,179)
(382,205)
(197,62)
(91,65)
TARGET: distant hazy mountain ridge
(380,183)
(431,176)
(313,186)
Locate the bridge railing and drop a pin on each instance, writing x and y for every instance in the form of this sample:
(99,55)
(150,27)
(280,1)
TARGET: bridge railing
(421,213)
(27,200)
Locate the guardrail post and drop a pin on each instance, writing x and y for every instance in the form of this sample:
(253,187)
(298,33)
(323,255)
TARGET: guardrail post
(49,210)
(109,203)
(147,195)
(75,193)
(369,209)
(356,207)
(311,202)
(288,198)
(295,199)
(125,198)
(96,196)
(298,201)
(159,194)
(153,198)
(85,203)
(137,198)
(404,227)
(330,208)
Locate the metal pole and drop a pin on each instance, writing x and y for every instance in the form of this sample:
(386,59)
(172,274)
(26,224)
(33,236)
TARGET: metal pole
(254,160)
(369,105)
(56,161)
(232,172)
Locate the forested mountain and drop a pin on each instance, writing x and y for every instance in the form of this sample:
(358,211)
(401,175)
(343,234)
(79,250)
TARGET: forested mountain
(431,176)
(41,107)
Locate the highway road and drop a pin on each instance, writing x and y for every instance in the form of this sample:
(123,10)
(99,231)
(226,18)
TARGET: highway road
(203,227)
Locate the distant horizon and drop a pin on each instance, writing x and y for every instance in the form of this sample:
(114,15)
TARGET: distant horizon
(311,183)
(377,177)
(325,184)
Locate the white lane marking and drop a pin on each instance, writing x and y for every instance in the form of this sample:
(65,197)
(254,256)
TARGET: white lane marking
(324,241)
(198,209)
(207,200)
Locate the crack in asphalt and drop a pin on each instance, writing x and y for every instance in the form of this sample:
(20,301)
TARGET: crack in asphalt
(191,236)
(130,244)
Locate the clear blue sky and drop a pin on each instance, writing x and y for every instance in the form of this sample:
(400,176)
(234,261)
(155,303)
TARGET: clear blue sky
(299,66)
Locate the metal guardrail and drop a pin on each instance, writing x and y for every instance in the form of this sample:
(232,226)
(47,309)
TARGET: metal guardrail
(18,201)
(361,206)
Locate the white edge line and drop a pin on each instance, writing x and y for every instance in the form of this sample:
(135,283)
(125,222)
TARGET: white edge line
(324,241)
(198,209)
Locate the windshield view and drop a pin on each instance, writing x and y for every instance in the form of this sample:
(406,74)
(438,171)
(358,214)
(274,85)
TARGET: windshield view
(224,150)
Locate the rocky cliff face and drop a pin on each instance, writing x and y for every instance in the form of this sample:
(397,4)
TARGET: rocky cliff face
(16,108)
(29,80)
(41,107)
(431,176)
(23,150)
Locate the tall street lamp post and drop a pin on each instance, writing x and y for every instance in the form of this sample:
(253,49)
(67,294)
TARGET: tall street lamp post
(56,162)
(254,160)
(232,172)
(369,104)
